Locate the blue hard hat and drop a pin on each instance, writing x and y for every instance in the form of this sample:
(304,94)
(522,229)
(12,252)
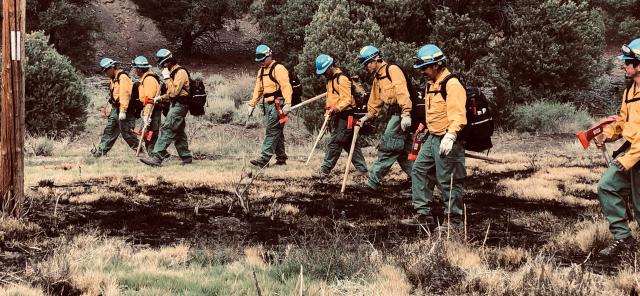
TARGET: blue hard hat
(163,55)
(427,55)
(107,63)
(323,62)
(367,53)
(141,62)
(262,52)
(631,51)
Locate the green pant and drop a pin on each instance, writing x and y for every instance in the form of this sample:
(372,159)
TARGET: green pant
(431,169)
(156,120)
(340,139)
(395,146)
(172,131)
(614,186)
(274,135)
(115,128)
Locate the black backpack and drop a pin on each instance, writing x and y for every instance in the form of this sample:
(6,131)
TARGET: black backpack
(197,98)
(418,112)
(476,135)
(135,106)
(296,85)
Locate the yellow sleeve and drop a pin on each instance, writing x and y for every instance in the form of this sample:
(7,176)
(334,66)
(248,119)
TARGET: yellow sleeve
(375,103)
(148,88)
(456,101)
(125,86)
(257,91)
(400,87)
(281,74)
(629,159)
(344,89)
(175,85)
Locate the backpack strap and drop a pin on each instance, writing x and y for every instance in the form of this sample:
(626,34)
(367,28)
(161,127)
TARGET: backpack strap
(157,78)
(270,74)
(175,71)
(387,76)
(626,95)
(443,86)
(114,80)
(337,79)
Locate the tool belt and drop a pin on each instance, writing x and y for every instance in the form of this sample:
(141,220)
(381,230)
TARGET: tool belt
(394,109)
(113,102)
(276,94)
(184,100)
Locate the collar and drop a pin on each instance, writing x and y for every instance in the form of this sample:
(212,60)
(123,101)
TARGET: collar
(174,68)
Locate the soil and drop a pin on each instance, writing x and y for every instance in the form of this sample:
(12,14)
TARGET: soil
(169,217)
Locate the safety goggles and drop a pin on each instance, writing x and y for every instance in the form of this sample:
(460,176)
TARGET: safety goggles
(627,51)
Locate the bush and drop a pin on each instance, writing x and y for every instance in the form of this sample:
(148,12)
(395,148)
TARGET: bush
(550,50)
(339,28)
(56,97)
(226,96)
(39,146)
(550,117)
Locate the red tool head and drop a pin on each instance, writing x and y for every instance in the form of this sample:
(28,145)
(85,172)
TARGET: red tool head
(585,137)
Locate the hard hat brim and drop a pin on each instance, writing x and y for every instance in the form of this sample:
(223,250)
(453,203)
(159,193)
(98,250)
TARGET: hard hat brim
(623,57)
(164,60)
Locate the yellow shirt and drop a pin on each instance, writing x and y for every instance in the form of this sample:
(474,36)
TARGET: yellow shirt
(150,88)
(178,86)
(389,91)
(120,88)
(340,97)
(264,84)
(627,126)
(448,116)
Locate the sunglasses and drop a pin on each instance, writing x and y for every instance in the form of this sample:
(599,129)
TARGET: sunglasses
(627,51)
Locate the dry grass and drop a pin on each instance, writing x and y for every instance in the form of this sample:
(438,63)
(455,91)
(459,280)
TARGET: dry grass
(583,236)
(20,290)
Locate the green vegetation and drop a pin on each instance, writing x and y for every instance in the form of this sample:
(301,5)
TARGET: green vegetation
(56,97)
(550,117)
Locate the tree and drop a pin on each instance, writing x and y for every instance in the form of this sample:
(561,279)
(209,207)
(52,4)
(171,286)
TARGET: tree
(70,25)
(339,28)
(188,22)
(283,25)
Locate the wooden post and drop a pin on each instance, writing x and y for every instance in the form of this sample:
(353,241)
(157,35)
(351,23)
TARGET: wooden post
(12,104)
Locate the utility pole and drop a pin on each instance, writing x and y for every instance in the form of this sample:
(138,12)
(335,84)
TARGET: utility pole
(12,108)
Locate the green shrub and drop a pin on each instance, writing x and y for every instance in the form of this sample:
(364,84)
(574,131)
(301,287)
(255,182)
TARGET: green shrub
(339,28)
(39,146)
(55,91)
(550,117)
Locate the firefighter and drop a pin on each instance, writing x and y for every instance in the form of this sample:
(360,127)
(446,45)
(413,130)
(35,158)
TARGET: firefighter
(623,175)
(389,88)
(272,84)
(176,80)
(149,88)
(339,106)
(440,161)
(119,122)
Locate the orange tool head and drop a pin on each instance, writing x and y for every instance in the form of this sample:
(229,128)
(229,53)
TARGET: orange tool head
(585,137)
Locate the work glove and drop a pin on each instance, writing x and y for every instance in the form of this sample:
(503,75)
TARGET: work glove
(362,120)
(166,74)
(157,99)
(405,122)
(447,144)
(250,110)
(286,109)
(599,140)
(122,115)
